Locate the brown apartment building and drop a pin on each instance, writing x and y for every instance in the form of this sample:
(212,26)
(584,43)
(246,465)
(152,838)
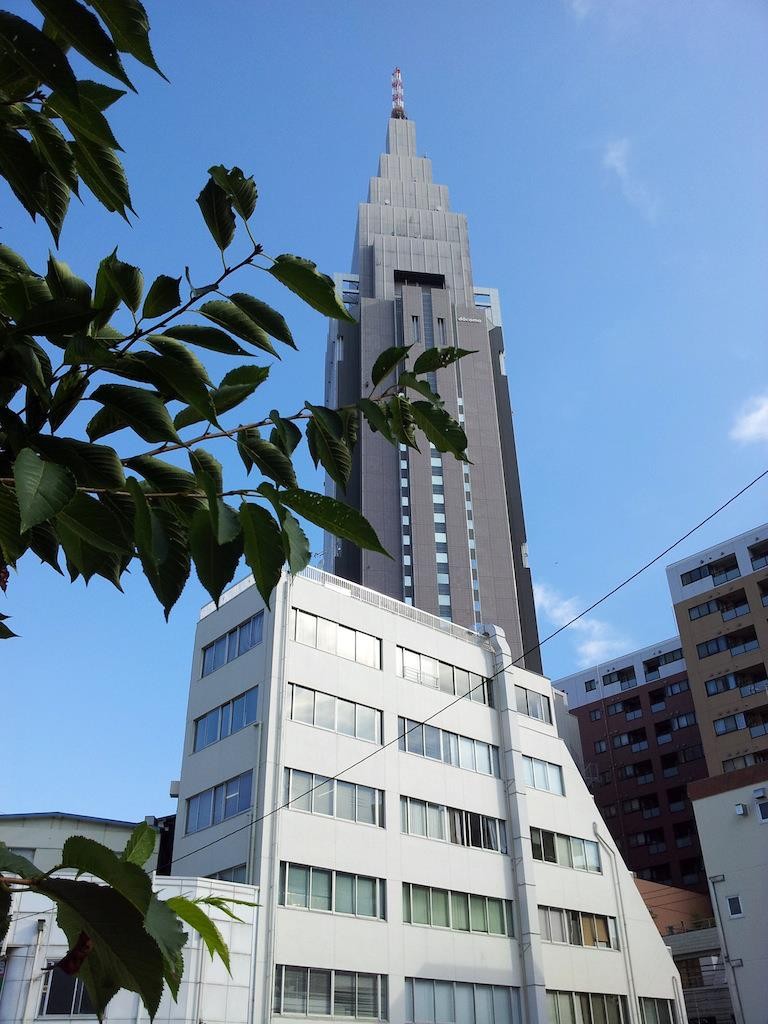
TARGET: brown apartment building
(642,748)
(720,598)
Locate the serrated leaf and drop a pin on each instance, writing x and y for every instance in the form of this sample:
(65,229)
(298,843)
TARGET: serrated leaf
(64,284)
(295,543)
(241,190)
(206,337)
(22,169)
(11,262)
(105,298)
(52,146)
(440,428)
(44,543)
(85,560)
(90,857)
(66,397)
(421,386)
(127,21)
(197,918)
(264,316)
(84,120)
(387,361)
(55,317)
(162,297)
(270,460)
(339,519)
(216,208)
(142,410)
(163,544)
(183,379)
(37,54)
(6,633)
(104,174)
(163,476)
(82,30)
(93,465)
(333,454)
(401,421)
(94,523)
(437,358)
(42,488)
(328,419)
(286,434)
(100,95)
(12,546)
(227,315)
(15,864)
(315,288)
(216,564)
(224,398)
(127,281)
(263,546)
(376,417)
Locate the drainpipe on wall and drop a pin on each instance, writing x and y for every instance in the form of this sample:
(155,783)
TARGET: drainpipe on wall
(733,984)
(29,1002)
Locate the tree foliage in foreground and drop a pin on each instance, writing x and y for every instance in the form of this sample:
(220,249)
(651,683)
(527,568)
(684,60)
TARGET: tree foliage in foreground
(126,359)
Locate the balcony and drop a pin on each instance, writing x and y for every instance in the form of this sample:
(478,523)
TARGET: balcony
(759,555)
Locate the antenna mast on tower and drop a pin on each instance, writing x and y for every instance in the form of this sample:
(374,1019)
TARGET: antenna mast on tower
(398,100)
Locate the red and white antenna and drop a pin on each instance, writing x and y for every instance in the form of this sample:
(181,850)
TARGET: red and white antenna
(398,98)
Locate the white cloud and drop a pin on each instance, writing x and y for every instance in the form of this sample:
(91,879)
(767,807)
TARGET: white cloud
(616,159)
(751,424)
(579,8)
(595,639)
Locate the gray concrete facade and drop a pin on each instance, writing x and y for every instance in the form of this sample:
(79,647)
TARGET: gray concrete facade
(456,532)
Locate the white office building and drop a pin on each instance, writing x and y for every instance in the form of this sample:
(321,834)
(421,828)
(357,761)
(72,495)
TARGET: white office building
(424,845)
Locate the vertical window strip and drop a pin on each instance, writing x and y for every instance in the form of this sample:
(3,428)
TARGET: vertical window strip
(326,711)
(450,747)
(334,798)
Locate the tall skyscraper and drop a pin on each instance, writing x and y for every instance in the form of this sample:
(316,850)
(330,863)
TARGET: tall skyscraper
(456,531)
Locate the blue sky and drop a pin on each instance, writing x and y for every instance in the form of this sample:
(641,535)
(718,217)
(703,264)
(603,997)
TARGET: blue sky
(611,156)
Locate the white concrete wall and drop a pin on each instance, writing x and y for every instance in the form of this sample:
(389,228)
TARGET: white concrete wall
(46,834)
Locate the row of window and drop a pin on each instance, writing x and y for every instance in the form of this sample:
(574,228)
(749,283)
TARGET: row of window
(587,1008)
(732,609)
(318,794)
(568,851)
(449,824)
(226,719)
(219,803)
(533,704)
(325,711)
(450,747)
(578,928)
(736,643)
(453,1002)
(722,571)
(461,911)
(234,643)
(322,889)
(748,683)
(543,775)
(420,668)
(652,667)
(320,993)
(334,638)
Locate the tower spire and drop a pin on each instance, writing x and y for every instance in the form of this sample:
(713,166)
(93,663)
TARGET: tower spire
(398,101)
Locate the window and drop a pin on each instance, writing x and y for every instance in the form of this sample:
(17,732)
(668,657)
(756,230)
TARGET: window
(315,992)
(625,676)
(721,571)
(441,908)
(226,719)
(762,810)
(653,665)
(543,775)
(681,686)
(334,798)
(702,971)
(587,1008)
(698,611)
(328,712)
(600,746)
(420,668)
(217,804)
(441,745)
(336,639)
(533,704)
(657,1011)
(595,715)
(234,643)
(64,995)
(450,824)
(731,723)
(590,685)
(568,851)
(578,928)
(314,888)
(455,1002)
(734,906)
(710,647)
(235,874)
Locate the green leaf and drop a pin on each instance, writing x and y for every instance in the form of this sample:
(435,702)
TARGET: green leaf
(205,465)
(264,316)
(84,120)
(206,337)
(66,397)
(437,358)
(94,523)
(14,864)
(105,299)
(55,317)
(231,318)
(104,175)
(401,421)
(295,543)
(82,30)
(216,208)
(42,488)
(100,95)
(328,419)
(387,361)
(93,465)
(6,633)
(10,261)
(286,434)
(162,297)
(163,476)
(87,856)
(22,169)
(5,893)
(12,547)
(183,378)
(142,410)
(270,459)
(409,380)
(140,845)
(127,21)
(66,285)
(52,147)
(316,289)
(333,454)
(86,560)
(163,924)
(163,546)
(225,397)
(43,541)
(440,428)
(376,417)
(216,564)
(127,281)
(241,190)
(196,918)
(124,955)
(263,545)
(36,54)
(339,519)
